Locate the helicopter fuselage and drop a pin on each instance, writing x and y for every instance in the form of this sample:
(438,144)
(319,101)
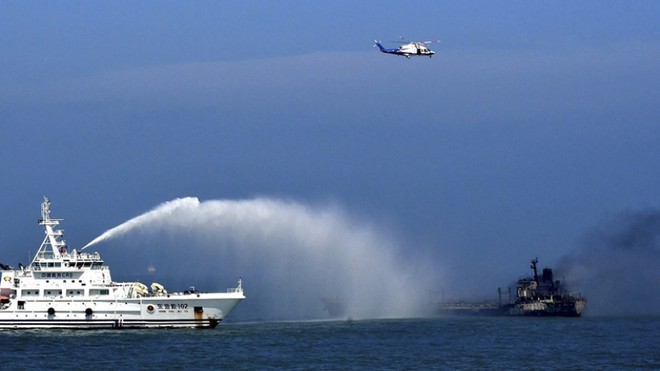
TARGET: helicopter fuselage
(408,50)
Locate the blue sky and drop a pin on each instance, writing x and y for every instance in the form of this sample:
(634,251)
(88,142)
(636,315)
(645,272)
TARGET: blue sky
(533,123)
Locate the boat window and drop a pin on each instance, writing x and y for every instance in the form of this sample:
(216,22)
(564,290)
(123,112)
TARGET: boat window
(105,292)
(51,264)
(58,264)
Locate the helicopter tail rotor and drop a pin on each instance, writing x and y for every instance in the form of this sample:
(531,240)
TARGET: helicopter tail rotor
(379,45)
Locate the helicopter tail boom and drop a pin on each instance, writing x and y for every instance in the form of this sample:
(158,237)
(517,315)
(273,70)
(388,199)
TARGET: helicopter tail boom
(380,46)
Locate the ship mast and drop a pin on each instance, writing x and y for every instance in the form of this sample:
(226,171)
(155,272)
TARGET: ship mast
(53,245)
(536,274)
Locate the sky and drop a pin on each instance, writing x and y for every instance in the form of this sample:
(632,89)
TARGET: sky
(534,126)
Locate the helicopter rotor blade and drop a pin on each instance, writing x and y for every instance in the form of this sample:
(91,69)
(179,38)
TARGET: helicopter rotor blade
(429,42)
(404,40)
(401,39)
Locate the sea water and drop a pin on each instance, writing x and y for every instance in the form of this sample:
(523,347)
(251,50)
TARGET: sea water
(437,343)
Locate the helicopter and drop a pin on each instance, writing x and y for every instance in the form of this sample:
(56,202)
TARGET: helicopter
(413,48)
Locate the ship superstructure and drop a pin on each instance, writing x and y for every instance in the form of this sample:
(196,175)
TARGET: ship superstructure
(543,296)
(534,296)
(74,289)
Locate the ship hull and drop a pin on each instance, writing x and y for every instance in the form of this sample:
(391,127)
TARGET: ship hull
(184,311)
(528,309)
(106,324)
(543,309)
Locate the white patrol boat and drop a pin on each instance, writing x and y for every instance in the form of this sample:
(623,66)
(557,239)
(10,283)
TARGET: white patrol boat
(62,289)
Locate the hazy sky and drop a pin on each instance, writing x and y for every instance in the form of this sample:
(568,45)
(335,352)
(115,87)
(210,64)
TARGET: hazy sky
(533,123)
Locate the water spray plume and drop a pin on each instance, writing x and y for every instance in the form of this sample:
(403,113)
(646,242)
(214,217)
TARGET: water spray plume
(159,212)
(291,256)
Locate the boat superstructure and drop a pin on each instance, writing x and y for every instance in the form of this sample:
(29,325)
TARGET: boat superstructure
(535,296)
(74,289)
(543,296)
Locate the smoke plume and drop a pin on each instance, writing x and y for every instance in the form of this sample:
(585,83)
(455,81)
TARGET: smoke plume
(617,269)
(289,255)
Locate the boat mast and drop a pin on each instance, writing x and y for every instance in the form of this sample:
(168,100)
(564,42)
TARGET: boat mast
(53,246)
(536,274)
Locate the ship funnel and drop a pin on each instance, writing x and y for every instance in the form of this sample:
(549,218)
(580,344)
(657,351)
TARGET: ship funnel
(547,275)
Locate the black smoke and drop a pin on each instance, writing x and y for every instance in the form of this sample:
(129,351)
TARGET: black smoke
(617,268)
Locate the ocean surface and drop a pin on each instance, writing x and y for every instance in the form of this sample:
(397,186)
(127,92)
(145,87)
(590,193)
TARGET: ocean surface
(438,343)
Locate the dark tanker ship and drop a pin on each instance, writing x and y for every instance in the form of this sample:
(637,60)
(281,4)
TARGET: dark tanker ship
(535,296)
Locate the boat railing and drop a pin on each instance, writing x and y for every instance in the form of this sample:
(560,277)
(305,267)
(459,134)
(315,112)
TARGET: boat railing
(238,289)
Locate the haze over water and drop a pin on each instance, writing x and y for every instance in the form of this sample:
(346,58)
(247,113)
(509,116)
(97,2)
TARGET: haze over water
(289,255)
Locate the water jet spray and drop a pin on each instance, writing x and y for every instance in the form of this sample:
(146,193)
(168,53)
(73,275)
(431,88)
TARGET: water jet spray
(290,256)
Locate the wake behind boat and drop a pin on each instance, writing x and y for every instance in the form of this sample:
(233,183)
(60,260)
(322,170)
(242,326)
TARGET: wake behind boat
(62,289)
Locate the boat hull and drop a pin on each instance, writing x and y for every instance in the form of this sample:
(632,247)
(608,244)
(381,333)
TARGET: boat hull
(572,308)
(184,311)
